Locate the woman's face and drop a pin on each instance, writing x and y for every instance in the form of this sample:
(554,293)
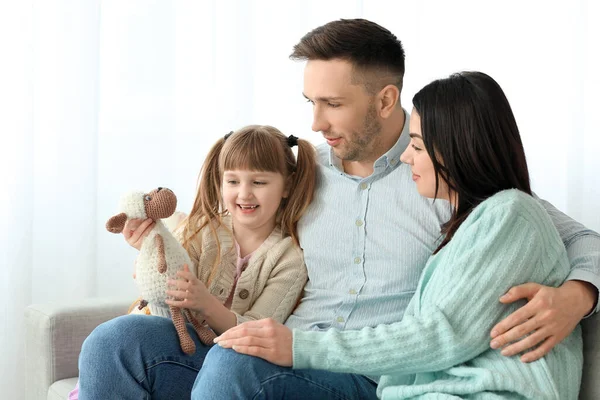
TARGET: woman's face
(420,162)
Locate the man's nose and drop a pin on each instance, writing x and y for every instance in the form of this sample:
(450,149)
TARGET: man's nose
(319,121)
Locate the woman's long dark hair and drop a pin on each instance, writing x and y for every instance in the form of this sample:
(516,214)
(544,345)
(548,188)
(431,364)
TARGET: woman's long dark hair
(471,135)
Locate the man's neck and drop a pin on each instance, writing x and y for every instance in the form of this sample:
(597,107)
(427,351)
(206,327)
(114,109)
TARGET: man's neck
(358,168)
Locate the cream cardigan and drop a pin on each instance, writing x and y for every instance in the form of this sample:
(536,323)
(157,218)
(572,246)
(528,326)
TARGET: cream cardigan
(271,284)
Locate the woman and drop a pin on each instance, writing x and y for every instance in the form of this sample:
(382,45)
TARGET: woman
(465,148)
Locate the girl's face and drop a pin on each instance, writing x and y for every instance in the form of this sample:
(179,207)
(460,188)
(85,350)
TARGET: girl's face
(253,197)
(420,162)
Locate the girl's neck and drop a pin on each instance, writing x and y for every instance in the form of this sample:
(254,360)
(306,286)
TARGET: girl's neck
(250,239)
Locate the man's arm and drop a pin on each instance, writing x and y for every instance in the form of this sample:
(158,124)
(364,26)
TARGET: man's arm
(583,250)
(551,314)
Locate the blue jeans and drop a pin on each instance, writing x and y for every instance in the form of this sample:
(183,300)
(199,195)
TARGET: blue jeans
(137,357)
(228,375)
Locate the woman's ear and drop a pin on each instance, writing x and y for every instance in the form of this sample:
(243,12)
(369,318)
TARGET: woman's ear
(116,223)
(389,97)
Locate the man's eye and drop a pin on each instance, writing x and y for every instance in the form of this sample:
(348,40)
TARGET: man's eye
(310,101)
(332,105)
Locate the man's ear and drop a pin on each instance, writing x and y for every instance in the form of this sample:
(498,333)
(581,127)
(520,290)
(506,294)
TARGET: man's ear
(116,223)
(389,97)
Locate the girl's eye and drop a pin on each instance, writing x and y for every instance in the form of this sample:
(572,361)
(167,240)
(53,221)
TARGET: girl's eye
(232,182)
(333,105)
(416,148)
(310,101)
(260,183)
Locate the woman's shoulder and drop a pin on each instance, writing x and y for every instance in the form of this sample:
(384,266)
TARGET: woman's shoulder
(507,206)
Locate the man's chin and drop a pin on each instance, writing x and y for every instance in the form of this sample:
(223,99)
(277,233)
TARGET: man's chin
(344,154)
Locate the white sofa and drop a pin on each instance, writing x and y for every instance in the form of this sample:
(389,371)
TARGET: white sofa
(55,333)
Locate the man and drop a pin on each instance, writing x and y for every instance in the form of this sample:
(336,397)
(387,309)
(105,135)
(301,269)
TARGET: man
(366,238)
(368,233)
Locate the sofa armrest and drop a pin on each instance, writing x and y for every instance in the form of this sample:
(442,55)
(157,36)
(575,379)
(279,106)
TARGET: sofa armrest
(590,383)
(54,335)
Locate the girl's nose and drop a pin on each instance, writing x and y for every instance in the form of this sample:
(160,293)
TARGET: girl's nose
(245,191)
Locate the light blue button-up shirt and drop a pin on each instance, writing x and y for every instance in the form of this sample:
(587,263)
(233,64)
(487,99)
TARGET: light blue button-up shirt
(367,240)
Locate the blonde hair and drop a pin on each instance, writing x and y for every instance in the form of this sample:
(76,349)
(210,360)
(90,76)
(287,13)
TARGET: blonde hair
(254,148)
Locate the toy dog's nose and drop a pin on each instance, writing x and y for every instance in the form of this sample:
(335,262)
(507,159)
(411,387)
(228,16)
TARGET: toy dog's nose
(159,189)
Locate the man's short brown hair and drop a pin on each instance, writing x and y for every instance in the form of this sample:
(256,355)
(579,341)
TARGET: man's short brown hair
(375,53)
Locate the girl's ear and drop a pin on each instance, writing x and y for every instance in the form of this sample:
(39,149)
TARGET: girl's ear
(116,223)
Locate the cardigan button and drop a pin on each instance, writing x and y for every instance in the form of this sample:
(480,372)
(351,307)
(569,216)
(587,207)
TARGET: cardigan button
(244,294)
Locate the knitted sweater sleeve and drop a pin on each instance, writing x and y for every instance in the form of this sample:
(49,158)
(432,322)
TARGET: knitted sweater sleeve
(507,240)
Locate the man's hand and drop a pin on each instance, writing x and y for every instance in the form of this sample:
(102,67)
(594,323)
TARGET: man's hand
(264,338)
(549,316)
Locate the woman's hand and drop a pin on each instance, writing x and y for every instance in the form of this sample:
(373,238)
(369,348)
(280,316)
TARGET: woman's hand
(135,230)
(264,338)
(188,292)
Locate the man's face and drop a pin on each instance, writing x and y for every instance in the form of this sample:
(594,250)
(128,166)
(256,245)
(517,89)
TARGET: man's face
(342,111)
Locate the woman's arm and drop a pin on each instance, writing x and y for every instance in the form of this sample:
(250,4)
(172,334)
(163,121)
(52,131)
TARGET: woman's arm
(498,248)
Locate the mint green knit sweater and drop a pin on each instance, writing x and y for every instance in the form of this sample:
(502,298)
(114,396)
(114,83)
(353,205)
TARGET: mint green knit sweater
(441,349)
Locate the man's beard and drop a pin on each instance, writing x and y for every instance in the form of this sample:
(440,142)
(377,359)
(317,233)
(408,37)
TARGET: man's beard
(363,144)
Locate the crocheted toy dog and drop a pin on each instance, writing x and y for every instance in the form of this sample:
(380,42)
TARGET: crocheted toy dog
(160,257)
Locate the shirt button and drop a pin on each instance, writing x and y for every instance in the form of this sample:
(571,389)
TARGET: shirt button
(352,291)
(393,161)
(359,222)
(244,294)
(363,186)
(357,260)
(340,319)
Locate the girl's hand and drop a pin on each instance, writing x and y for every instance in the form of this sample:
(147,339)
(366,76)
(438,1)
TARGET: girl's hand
(188,292)
(135,230)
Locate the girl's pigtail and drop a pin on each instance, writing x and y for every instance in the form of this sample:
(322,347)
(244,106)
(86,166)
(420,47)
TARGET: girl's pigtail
(301,190)
(207,205)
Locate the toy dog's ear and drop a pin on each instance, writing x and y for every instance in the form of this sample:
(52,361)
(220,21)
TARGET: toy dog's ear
(117,223)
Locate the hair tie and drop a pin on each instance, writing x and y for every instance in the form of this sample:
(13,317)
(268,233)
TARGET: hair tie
(292,141)
(226,136)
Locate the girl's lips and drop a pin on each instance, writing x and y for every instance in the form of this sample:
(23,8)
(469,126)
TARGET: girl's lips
(415,177)
(247,210)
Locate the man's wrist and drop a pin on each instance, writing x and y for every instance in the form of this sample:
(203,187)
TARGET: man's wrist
(587,294)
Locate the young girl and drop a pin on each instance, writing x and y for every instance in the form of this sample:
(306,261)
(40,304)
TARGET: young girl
(465,149)
(241,237)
